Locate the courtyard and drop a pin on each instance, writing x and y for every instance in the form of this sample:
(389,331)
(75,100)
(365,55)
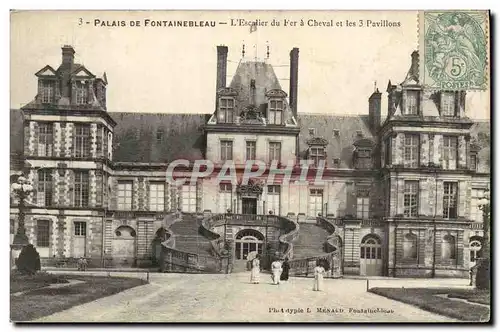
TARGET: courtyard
(231,298)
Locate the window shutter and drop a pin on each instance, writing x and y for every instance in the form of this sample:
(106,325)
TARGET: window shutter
(423,196)
(71,196)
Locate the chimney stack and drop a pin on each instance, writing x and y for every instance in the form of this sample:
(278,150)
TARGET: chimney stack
(221,67)
(414,65)
(294,77)
(374,111)
(68,55)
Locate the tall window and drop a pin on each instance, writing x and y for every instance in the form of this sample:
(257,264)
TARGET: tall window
(448,247)
(251,148)
(48,91)
(44,192)
(363,158)
(317,153)
(99,141)
(105,142)
(189,198)
(410,249)
(82,140)
(450,200)
(476,213)
(225,197)
(81,93)
(124,195)
(275,151)
(448,104)
(226,110)
(411,199)
(273,198)
(363,207)
(156,196)
(42,233)
(45,139)
(411,103)
(226,151)
(81,189)
(411,150)
(275,112)
(315,202)
(450,151)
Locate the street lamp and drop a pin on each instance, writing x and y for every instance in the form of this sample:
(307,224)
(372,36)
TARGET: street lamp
(483,263)
(21,189)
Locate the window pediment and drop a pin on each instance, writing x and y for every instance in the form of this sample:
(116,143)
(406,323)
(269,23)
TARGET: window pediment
(364,143)
(227,92)
(46,71)
(317,141)
(276,93)
(82,72)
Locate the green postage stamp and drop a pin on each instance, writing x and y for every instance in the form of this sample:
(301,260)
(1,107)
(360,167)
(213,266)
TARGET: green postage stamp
(455,49)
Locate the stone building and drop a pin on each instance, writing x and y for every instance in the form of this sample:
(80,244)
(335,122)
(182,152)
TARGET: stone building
(401,191)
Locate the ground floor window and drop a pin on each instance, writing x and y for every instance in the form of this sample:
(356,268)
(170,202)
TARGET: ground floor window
(248,241)
(410,243)
(315,202)
(79,240)
(474,247)
(42,233)
(448,247)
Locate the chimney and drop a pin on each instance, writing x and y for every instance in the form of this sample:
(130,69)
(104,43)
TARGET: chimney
(221,67)
(414,65)
(374,111)
(68,55)
(294,77)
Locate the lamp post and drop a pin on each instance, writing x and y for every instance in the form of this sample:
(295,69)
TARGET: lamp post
(22,188)
(483,263)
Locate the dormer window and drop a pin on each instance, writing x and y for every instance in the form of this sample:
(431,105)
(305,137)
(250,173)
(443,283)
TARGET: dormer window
(448,104)
(47,91)
(359,133)
(473,160)
(411,103)
(226,110)
(81,93)
(336,133)
(336,162)
(312,132)
(364,158)
(275,111)
(316,154)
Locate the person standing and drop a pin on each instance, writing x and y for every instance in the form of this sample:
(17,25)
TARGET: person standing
(318,277)
(255,272)
(286,268)
(276,271)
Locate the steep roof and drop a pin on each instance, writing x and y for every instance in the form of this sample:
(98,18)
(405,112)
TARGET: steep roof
(339,146)
(149,137)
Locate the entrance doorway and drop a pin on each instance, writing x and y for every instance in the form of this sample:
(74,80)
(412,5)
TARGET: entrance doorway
(247,241)
(371,256)
(249,205)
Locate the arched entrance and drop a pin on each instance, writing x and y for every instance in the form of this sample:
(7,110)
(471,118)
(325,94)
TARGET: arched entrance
(371,256)
(248,240)
(124,246)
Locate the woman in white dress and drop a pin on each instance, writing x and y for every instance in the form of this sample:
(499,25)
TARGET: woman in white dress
(255,272)
(276,271)
(318,277)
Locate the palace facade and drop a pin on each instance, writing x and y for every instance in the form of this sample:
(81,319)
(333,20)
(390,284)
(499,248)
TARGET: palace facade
(401,191)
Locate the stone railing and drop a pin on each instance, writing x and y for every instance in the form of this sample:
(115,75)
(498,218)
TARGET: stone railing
(292,229)
(304,267)
(174,260)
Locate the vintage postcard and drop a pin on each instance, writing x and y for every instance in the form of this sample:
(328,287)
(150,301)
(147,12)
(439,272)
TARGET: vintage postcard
(250,166)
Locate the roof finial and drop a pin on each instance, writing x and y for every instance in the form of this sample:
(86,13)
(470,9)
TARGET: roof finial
(375,86)
(267,44)
(243,50)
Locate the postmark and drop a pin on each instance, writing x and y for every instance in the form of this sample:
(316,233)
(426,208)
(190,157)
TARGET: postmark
(455,49)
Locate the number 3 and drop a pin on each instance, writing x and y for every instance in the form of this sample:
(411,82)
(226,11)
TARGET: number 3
(80,21)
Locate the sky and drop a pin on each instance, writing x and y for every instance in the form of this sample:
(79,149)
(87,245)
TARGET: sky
(173,69)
